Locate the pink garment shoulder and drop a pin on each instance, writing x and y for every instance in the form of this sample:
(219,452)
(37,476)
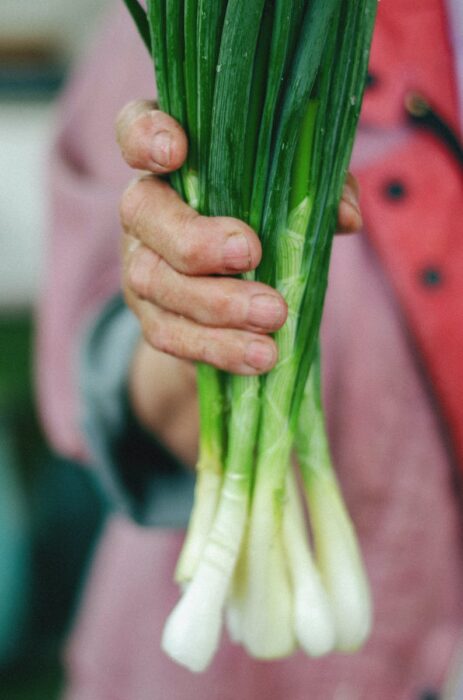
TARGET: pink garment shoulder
(387,443)
(87,177)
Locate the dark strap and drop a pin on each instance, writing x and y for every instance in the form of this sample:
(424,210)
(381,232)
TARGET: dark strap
(421,114)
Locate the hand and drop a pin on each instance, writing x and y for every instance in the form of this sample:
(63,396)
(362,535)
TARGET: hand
(170,253)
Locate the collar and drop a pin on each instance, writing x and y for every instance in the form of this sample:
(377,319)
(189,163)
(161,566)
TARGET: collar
(404,59)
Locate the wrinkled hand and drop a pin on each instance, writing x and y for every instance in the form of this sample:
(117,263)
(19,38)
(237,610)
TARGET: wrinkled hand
(175,263)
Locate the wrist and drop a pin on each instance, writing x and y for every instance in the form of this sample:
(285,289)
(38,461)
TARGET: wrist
(162,393)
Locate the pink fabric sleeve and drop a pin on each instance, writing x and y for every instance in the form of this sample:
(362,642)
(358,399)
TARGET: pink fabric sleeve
(86,180)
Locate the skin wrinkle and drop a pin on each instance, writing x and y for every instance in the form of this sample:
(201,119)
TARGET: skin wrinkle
(230,305)
(182,312)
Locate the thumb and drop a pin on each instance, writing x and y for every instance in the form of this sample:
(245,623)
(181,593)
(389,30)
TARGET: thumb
(150,139)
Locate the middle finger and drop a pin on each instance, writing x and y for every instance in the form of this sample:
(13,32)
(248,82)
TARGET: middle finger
(212,301)
(193,244)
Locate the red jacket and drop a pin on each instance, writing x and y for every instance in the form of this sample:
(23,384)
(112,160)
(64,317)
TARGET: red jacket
(391,292)
(413,197)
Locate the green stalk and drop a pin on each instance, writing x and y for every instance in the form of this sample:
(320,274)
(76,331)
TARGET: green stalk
(212,401)
(337,551)
(227,196)
(284,17)
(276,30)
(307,126)
(338,555)
(191,80)
(210,25)
(244,414)
(245,404)
(264,620)
(232,103)
(224,99)
(157,23)
(332,146)
(256,105)
(267,625)
(141,21)
(211,395)
(211,424)
(175,53)
(315,30)
(278,24)
(169,21)
(287,16)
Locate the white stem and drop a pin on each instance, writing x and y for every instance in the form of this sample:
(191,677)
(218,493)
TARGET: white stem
(192,632)
(267,624)
(267,628)
(340,563)
(337,551)
(313,619)
(207,493)
(234,611)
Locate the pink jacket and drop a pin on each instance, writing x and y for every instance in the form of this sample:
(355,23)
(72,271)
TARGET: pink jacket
(388,441)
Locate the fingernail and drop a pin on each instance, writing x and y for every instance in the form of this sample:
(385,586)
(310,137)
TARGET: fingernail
(265,311)
(236,253)
(350,198)
(260,356)
(162,144)
(350,217)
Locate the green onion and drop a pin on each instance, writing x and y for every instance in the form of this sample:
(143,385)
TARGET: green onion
(269,93)
(335,542)
(212,400)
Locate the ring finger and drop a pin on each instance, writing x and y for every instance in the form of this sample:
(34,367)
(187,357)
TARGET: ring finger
(212,301)
(239,352)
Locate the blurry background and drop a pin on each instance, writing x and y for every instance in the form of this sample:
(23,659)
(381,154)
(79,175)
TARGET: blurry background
(50,511)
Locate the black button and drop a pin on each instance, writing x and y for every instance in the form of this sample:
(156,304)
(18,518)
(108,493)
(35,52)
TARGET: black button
(395,190)
(431,277)
(371,81)
(429,695)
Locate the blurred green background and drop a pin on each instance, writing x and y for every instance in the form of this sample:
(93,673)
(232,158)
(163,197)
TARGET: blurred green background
(50,515)
(50,510)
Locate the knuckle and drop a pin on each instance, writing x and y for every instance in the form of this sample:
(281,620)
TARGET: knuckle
(132,207)
(162,341)
(129,246)
(219,350)
(228,308)
(164,336)
(150,329)
(142,273)
(167,340)
(191,253)
(138,279)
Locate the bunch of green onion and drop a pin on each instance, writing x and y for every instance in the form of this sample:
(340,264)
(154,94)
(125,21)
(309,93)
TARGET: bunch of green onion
(269,93)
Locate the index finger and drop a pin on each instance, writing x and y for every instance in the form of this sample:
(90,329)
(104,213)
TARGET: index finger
(153,213)
(150,139)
